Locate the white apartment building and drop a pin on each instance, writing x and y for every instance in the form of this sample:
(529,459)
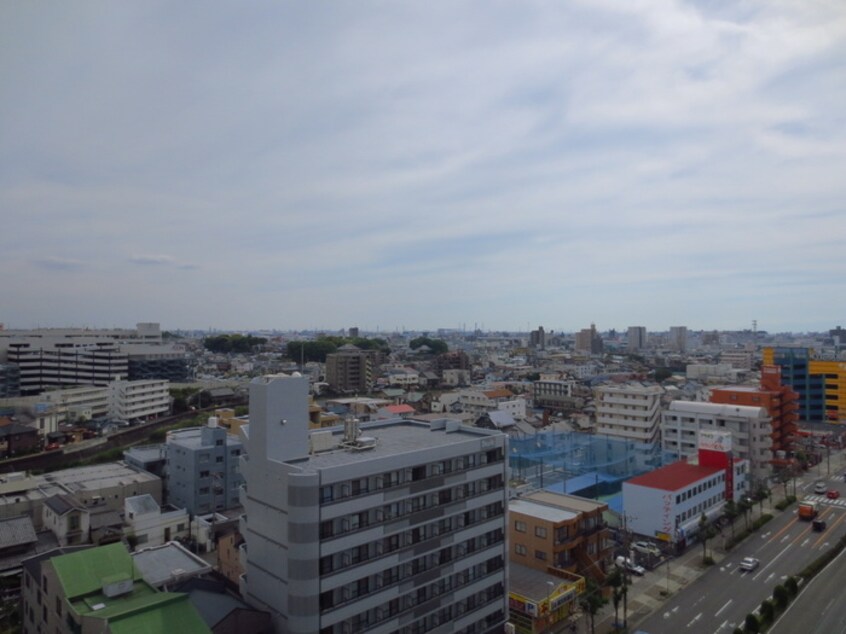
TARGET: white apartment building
(553,394)
(738,359)
(138,400)
(478,402)
(750,429)
(631,411)
(393,527)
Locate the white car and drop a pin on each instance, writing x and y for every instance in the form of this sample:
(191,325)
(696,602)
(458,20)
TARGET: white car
(646,548)
(749,564)
(632,567)
(820,487)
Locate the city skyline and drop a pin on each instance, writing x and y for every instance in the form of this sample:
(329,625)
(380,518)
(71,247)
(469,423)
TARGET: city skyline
(414,166)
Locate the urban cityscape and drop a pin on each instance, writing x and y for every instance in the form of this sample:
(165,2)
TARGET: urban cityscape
(445,480)
(396,318)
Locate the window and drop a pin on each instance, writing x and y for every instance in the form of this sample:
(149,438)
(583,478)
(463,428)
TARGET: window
(219,459)
(519,526)
(520,549)
(539,554)
(204,474)
(540,531)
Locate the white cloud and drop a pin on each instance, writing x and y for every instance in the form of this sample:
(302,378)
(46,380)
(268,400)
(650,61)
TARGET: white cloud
(589,159)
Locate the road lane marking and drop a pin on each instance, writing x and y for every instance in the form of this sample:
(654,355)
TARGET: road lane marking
(728,603)
(784,528)
(772,561)
(695,619)
(826,533)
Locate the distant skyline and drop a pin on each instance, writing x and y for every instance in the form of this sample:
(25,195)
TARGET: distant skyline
(419,165)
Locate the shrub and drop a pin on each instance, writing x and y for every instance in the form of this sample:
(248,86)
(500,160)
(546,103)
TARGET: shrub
(758,523)
(751,624)
(792,586)
(781,596)
(767,611)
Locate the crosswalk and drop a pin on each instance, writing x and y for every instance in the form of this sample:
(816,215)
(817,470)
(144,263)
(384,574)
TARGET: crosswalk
(821,499)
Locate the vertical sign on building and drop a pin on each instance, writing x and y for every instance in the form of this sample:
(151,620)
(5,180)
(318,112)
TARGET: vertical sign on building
(715,451)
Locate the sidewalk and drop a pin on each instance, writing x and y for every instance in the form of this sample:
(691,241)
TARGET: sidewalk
(648,593)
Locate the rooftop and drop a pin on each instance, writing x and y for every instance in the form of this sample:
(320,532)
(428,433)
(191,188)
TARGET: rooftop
(541,511)
(16,531)
(674,477)
(167,564)
(396,437)
(569,502)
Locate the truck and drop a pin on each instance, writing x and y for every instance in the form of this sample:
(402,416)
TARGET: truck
(807,510)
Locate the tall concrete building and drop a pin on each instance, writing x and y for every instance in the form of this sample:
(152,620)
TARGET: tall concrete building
(750,428)
(203,468)
(632,412)
(588,340)
(394,527)
(62,357)
(779,400)
(537,338)
(636,338)
(678,338)
(349,370)
(819,384)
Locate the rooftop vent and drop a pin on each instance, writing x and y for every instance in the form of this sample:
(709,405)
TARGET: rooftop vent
(353,440)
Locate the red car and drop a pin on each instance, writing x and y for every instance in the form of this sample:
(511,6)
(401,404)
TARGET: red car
(832,494)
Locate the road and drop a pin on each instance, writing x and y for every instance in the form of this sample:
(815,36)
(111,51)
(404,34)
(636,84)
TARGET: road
(721,598)
(819,600)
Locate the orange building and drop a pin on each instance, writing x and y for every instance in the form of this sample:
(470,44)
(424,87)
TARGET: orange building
(780,401)
(557,532)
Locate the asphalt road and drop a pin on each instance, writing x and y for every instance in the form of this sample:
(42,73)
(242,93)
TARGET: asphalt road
(819,609)
(721,598)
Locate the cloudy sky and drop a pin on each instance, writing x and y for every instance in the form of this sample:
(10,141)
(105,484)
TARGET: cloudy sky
(423,165)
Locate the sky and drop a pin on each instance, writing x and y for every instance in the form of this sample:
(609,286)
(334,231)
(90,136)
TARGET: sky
(418,165)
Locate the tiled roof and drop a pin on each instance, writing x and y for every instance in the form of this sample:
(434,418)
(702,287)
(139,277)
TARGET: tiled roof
(674,477)
(16,531)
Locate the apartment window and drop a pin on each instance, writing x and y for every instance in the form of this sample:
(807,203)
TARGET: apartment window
(519,526)
(539,554)
(520,549)
(204,474)
(540,531)
(218,443)
(219,459)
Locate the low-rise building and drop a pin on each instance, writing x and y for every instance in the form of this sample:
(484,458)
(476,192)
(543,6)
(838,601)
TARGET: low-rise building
(99,590)
(668,503)
(551,531)
(138,400)
(102,486)
(148,524)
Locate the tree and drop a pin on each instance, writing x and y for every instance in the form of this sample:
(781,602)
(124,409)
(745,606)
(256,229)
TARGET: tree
(744,506)
(730,512)
(437,346)
(616,580)
(751,623)
(591,600)
(706,532)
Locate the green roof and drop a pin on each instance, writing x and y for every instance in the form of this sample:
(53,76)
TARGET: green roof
(165,612)
(141,611)
(83,572)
